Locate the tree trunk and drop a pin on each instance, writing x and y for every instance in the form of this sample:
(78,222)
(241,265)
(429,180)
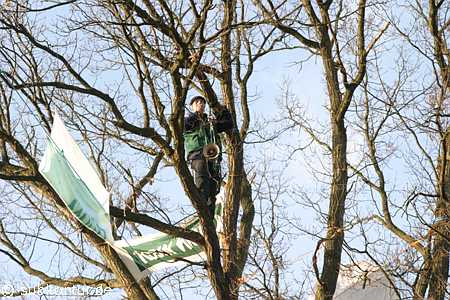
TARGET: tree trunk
(338,194)
(335,232)
(423,278)
(235,161)
(230,246)
(439,267)
(440,253)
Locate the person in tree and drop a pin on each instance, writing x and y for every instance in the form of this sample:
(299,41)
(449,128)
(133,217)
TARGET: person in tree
(199,131)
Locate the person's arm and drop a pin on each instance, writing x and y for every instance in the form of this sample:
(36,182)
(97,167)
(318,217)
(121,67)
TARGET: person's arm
(224,121)
(191,122)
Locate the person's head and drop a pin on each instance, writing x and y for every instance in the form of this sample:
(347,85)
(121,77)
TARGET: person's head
(198,104)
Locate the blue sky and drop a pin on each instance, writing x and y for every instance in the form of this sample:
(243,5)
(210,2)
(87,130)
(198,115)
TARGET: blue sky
(307,84)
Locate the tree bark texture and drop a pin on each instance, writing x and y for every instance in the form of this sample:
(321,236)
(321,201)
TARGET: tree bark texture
(441,232)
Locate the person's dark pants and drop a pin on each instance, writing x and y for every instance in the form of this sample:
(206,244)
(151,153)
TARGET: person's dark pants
(207,179)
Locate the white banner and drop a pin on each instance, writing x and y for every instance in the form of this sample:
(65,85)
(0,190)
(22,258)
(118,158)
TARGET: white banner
(72,177)
(72,152)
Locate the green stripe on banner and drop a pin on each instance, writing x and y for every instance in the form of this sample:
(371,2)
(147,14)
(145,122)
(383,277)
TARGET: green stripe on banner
(147,253)
(74,192)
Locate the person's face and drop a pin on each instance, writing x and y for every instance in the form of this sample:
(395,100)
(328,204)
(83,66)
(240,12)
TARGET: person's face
(198,106)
